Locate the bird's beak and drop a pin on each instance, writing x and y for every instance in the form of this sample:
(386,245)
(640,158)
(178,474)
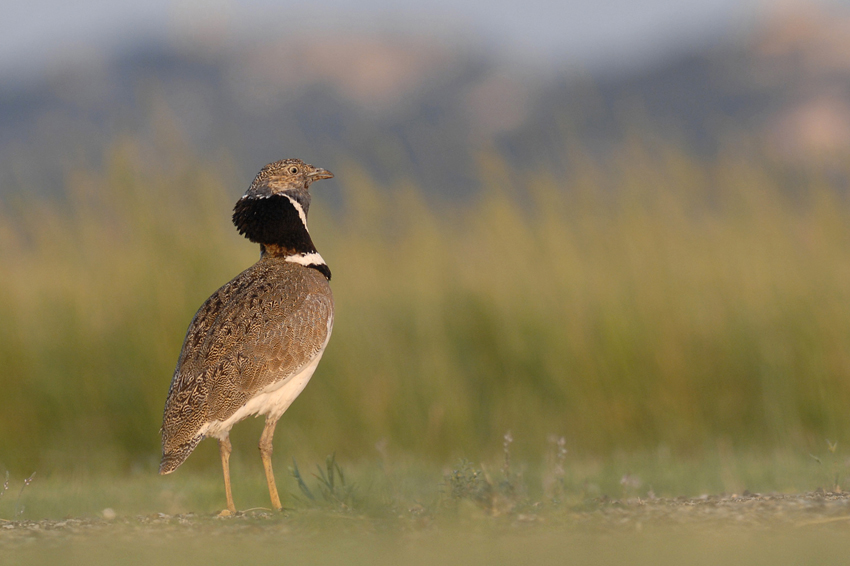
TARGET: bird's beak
(319,173)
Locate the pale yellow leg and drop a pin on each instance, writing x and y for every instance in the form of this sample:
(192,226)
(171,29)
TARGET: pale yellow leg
(224,448)
(266,453)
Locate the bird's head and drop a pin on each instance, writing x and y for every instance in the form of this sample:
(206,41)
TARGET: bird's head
(273,211)
(285,176)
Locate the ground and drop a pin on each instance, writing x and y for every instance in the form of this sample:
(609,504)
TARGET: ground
(460,527)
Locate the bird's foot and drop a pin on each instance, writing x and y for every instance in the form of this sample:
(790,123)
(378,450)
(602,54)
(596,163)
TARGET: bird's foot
(226,513)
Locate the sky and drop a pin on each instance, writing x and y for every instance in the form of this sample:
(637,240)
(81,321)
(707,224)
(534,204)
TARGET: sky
(45,34)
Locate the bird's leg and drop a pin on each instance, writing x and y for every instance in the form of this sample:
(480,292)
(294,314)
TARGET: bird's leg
(224,448)
(266,453)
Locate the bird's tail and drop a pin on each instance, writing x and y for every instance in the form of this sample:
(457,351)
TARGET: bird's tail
(174,456)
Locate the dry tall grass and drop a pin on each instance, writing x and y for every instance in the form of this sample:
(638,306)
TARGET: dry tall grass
(656,301)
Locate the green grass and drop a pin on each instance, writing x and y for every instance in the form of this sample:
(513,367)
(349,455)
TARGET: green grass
(407,512)
(652,304)
(384,490)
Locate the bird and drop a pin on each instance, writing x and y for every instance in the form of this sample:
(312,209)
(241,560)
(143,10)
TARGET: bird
(254,344)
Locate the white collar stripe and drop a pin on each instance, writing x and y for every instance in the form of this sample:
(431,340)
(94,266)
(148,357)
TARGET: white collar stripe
(300,210)
(306,259)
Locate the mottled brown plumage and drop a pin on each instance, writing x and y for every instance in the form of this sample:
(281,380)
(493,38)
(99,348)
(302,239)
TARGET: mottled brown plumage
(253,345)
(262,327)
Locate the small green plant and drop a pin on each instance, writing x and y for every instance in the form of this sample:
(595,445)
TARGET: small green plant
(332,486)
(554,481)
(5,485)
(833,468)
(19,507)
(475,484)
(630,484)
(470,483)
(511,488)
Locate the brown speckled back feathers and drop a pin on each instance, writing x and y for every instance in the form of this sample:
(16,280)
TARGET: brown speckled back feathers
(260,328)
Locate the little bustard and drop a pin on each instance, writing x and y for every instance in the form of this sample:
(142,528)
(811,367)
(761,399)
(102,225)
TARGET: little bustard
(254,344)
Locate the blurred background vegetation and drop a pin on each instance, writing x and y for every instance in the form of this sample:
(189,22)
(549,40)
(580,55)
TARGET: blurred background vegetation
(655,260)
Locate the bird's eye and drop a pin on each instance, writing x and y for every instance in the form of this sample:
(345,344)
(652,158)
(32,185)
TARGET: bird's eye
(293,170)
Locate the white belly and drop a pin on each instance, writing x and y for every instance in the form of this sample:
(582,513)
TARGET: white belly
(272,401)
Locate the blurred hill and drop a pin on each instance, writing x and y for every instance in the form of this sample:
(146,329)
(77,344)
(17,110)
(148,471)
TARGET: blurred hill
(407,108)
(784,89)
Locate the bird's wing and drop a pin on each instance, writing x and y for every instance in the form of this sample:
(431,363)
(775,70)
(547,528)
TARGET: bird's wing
(262,327)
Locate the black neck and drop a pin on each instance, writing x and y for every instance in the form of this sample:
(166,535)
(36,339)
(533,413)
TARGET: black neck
(273,222)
